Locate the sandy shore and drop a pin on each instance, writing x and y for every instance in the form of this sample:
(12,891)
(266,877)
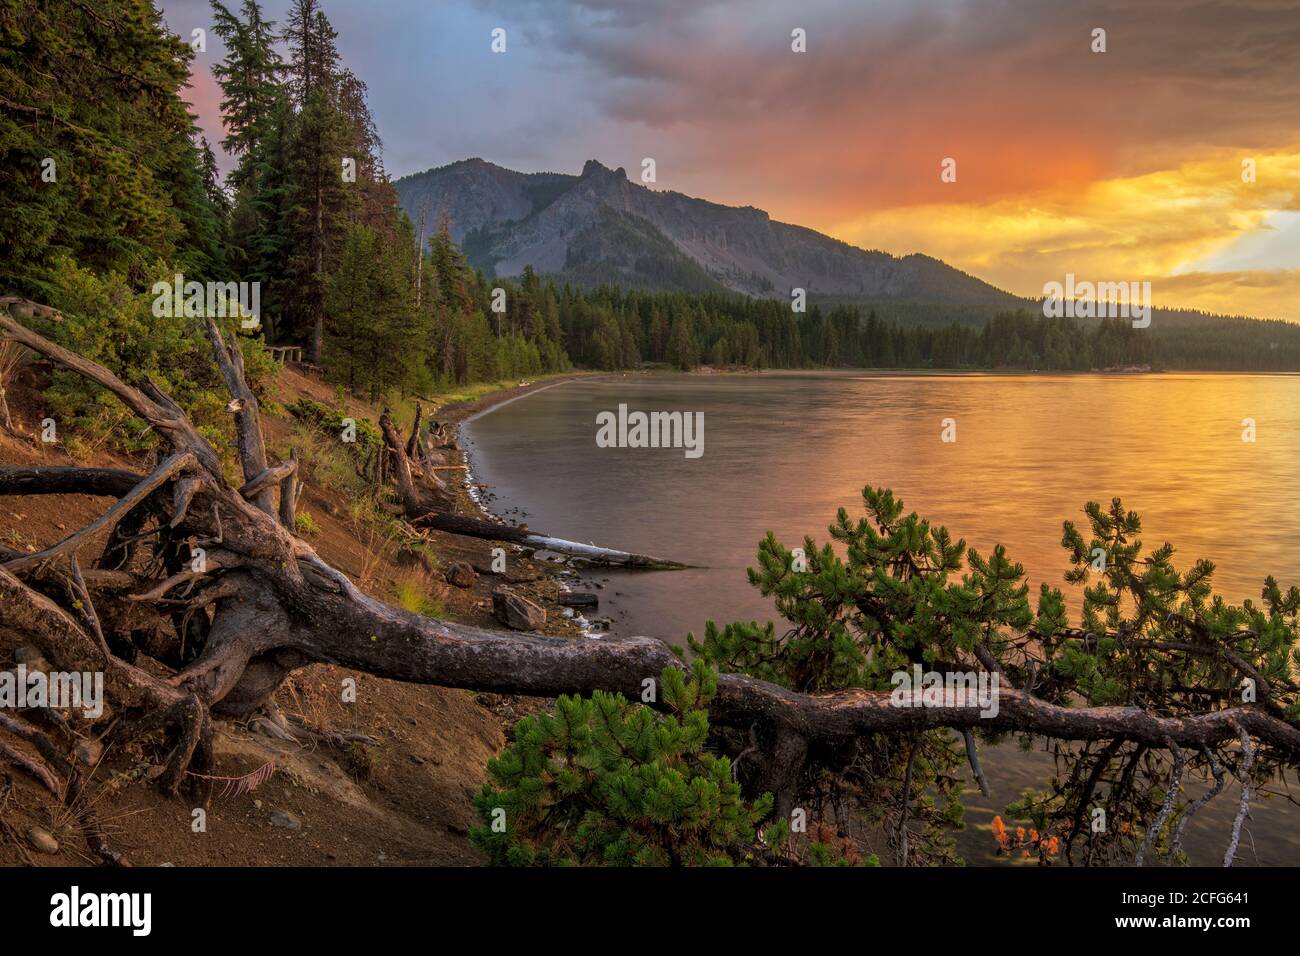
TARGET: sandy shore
(457,413)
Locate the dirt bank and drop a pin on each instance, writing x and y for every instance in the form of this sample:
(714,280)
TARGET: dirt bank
(407,800)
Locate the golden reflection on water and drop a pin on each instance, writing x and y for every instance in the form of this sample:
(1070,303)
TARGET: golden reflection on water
(783,451)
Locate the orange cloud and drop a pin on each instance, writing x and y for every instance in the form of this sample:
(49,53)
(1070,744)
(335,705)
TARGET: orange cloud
(1160,226)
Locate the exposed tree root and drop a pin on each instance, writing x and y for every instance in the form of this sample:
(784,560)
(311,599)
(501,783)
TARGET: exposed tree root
(1243,809)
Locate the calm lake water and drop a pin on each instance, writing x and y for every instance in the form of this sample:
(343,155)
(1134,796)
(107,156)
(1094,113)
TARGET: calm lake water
(783,451)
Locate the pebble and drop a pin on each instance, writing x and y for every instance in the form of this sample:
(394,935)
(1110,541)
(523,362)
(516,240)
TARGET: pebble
(89,752)
(42,840)
(285,820)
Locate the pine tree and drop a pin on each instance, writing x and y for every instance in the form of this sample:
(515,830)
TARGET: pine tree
(250,81)
(604,782)
(260,238)
(683,349)
(350,298)
(318,199)
(314,65)
(377,330)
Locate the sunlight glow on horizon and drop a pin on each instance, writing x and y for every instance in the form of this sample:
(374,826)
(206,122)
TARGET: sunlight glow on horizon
(1204,238)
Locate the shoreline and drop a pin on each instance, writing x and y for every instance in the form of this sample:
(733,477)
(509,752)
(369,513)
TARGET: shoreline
(470,501)
(458,414)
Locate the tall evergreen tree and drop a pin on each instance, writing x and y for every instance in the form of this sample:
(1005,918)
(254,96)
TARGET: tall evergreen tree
(319,142)
(314,63)
(249,78)
(375,339)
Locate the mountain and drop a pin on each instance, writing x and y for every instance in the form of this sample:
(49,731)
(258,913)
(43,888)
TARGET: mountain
(600,227)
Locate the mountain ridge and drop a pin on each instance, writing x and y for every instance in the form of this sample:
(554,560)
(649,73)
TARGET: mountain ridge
(598,226)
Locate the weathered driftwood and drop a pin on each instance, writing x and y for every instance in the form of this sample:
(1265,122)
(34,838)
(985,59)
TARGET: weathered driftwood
(402,472)
(47,480)
(589,553)
(268,478)
(177,463)
(289,486)
(252,451)
(413,447)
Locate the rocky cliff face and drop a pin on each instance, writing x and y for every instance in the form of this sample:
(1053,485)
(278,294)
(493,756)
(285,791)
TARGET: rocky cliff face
(473,193)
(600,227)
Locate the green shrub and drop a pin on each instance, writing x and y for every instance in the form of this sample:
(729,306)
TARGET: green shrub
(329,419)
(106,321)
(328,459)
(325,461)
(604,781)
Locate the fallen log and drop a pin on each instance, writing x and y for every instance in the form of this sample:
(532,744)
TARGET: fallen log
(267,478)
(42,480)
(589,553)
(177,463)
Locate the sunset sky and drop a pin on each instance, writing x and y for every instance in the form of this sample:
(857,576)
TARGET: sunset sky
(1116,166)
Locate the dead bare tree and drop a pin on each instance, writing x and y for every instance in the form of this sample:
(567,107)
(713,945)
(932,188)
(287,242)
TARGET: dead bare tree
(12,358)
(262,603)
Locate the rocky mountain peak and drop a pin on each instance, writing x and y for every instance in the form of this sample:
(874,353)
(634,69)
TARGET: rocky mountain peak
(595,170)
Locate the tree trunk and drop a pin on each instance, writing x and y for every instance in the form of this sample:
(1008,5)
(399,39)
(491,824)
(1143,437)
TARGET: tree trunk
(6,421)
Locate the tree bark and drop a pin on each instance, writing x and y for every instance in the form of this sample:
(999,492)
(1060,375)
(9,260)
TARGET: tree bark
(51,480)
(6,420)
(289,494)
(401,465)
(252,452)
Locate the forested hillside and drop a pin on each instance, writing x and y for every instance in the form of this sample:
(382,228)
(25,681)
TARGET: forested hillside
(109,189)
(613,328)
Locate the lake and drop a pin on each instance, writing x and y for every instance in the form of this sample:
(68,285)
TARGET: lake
(782,451)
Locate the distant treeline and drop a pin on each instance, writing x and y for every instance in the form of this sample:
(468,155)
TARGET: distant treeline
(612,328)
